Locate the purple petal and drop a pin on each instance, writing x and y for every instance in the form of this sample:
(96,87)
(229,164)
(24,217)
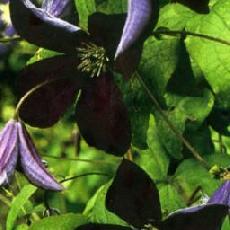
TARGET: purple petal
(133,196)
(42,29)
(140,21)
(102,227)
(102,116)
(55,7)
(10,31)
(8,151)
(32,164)
(222,195)
(45,106)
(204,217)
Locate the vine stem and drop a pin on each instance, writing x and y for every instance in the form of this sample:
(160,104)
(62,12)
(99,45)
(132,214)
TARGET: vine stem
(186,33)
(180,137)
(83,175)
(29,93)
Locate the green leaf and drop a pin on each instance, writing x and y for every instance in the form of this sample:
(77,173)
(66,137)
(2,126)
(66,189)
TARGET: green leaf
(22,227)
(213,57)
(111,6)
(69,221)
(170,199)
(158,63)
(41,54)
(175,16)
(226,224)
(139,108)
(190,175)
(154,160)
(18,203)
(96,210)
(221,160)
(188,109)
(85,8)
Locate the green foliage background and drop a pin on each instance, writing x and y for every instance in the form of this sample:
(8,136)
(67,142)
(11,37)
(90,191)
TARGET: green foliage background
(188,75)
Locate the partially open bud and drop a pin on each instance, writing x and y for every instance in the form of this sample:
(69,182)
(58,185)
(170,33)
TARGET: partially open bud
(8,151)
(31,163)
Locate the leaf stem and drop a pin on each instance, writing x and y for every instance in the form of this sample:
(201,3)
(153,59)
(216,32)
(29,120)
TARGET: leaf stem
(180,137)
(188,33)
(83,175)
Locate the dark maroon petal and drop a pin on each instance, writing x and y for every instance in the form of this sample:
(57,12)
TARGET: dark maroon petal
(205,217)
(102,117)
(102,227)
(55,7)
(42,29)
(222,195)
(8,151)
(141,18)
(133,196)
(31,163)
(106,30)
(47,104)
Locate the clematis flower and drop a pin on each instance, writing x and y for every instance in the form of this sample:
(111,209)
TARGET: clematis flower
(134,197)
(222,195)
(100,112)
(18,149)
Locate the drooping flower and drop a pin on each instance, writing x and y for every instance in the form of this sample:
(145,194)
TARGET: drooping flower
(18,149)
(100,112)
(134,197)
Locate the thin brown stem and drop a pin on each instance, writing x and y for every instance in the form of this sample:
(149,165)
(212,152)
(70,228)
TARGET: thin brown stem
(29,93)
(83,175)
(188,33)
(180,137)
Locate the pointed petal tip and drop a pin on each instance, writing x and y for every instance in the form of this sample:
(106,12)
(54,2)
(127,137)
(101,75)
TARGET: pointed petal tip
(221,195)
(32,164)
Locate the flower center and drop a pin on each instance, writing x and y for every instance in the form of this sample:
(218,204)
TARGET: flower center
(92,59)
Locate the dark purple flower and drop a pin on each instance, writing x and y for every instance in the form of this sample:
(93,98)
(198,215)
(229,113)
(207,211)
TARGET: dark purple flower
(135,198)
(17,148)
(222,195)
(100,112)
